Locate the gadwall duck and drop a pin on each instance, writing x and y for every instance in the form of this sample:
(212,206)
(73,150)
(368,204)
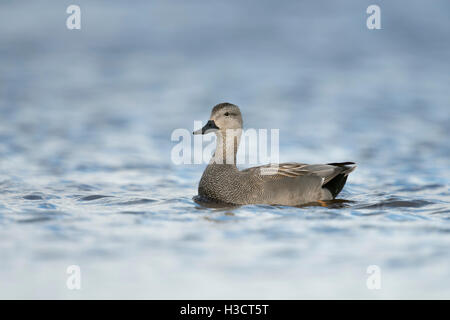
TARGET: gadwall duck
(287,184)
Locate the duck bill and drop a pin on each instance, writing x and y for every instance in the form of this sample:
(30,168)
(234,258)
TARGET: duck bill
(210,126)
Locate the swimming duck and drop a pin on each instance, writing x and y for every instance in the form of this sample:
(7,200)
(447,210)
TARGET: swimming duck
(289,184)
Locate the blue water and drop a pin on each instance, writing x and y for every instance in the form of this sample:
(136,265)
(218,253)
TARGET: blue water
(86,176)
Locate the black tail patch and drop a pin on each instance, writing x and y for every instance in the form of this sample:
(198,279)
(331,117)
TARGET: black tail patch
(336,184)
(340,164)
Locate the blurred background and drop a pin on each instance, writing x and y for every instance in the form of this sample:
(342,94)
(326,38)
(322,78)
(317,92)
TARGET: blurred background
(86,118)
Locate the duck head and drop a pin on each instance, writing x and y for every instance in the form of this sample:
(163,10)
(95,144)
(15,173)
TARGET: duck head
(224,116)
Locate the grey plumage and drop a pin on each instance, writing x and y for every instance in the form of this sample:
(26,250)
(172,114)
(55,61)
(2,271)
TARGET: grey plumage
(286,184)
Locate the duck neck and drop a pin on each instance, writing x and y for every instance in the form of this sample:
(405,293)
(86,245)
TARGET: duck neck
(227,146)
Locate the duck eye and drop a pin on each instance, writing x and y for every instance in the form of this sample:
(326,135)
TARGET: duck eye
(227,114)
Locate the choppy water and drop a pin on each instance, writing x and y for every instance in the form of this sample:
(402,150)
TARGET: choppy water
(86,176)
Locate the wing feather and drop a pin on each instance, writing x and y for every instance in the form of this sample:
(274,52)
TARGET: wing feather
(292,169)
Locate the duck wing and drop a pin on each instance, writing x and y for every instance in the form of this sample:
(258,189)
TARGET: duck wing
(293,169)
(298,183)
